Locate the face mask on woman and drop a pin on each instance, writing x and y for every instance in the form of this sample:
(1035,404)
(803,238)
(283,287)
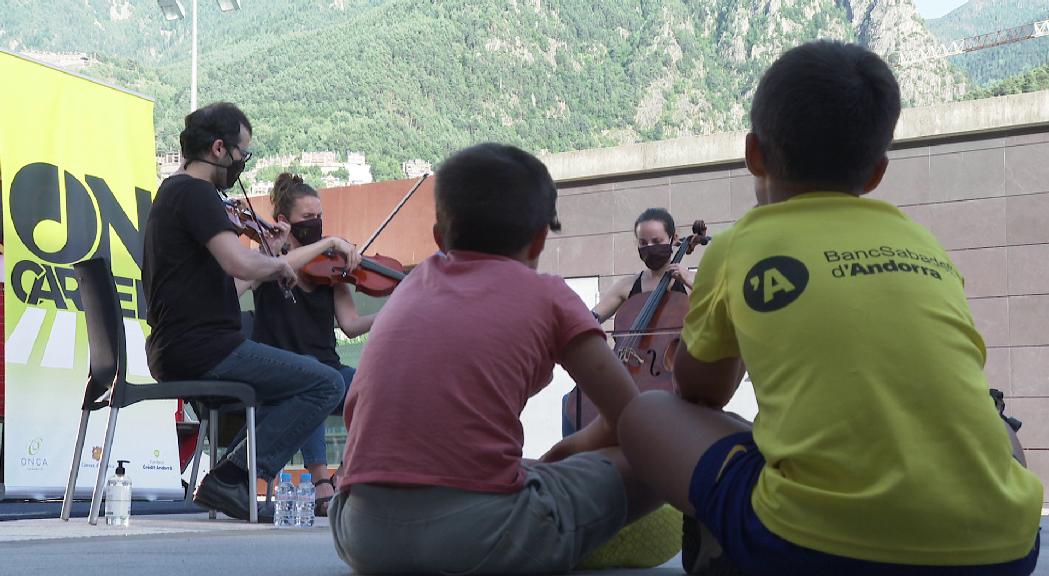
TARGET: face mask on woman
(307,231)
(655,256)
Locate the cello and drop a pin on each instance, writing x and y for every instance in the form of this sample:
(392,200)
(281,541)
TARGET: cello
(647,331)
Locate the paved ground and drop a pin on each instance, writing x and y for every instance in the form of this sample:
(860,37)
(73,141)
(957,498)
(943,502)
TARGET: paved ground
(186,544)
(179,545)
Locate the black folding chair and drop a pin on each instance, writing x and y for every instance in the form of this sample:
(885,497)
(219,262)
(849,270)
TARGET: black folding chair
(107,385)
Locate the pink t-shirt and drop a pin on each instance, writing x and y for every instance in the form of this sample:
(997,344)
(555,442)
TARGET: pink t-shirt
(452,358)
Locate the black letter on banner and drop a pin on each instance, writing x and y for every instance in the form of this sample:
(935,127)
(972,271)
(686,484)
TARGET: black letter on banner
(20,268)
(113,216)
(35,198)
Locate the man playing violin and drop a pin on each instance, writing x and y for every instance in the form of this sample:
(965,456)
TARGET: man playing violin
(191,257)
(306,324)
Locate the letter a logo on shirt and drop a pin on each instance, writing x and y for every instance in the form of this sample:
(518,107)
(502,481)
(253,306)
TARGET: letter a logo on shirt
(775,282)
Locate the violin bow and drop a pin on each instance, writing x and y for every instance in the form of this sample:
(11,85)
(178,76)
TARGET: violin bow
(396,209)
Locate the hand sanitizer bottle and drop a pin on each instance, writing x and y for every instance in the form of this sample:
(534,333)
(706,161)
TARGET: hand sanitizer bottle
(118,497)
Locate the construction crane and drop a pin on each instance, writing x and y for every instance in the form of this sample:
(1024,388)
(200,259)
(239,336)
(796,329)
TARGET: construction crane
(973,43)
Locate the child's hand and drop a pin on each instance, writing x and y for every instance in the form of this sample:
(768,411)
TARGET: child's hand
(561,450)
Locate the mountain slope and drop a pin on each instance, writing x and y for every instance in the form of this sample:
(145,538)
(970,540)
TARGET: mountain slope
(985,16)
(403,79)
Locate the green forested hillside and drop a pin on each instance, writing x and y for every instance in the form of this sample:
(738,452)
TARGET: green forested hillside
(1032,81)
(401,79)
(985,16)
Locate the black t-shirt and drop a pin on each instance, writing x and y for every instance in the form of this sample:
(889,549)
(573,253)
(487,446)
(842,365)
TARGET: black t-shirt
(193,306)
(306,326)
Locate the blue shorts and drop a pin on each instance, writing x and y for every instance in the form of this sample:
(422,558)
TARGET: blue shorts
(723,505)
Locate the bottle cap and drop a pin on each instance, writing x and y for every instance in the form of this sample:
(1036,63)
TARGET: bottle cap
(306,478)
(285,477)
(120,466)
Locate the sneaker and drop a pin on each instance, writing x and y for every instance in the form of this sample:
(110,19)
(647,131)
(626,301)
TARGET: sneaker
(701,553)
(230,499)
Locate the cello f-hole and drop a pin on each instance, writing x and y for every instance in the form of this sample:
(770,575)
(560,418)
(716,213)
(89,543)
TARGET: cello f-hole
(652,364)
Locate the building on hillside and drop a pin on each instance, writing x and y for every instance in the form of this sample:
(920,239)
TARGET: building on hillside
(167,164)
(416,168)
(358,169)
(326,160)
(73,61)
(260,188)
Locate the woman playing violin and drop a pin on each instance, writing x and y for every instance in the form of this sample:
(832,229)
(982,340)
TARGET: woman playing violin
(656,234)
(305,323)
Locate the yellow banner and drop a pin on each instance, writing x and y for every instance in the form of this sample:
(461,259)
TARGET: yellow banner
(78,173)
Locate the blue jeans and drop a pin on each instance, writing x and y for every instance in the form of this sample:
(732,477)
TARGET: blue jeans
(299,390)
(314,450)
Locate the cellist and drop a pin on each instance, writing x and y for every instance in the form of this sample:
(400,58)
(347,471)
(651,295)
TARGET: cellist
(656,234)
(305,324)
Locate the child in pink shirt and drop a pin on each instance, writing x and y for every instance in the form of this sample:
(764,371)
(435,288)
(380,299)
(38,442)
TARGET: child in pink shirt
(433,479)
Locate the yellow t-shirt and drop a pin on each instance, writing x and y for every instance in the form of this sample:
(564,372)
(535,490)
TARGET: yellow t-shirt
(880,438)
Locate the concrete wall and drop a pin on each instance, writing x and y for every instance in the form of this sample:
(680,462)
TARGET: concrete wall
(975,173)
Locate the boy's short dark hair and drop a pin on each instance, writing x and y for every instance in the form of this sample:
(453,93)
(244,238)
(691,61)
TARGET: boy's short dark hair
(494,198)
(659,215)
(218,121)
(824,114)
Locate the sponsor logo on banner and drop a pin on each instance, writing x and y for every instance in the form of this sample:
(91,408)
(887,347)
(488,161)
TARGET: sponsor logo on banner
(33,460)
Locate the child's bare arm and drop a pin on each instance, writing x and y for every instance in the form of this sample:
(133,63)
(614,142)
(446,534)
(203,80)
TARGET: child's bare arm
(604,379)
(709,384)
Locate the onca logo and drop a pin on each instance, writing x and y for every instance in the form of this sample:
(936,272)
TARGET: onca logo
(62,221)
(32,461)
(775,282)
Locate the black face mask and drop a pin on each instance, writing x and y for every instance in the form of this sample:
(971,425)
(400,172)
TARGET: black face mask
(233,171)
(307,231)
(655,256)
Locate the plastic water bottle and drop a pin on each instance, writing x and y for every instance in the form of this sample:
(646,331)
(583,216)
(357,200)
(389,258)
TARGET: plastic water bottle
(285,503)
(306,493)
(118,497)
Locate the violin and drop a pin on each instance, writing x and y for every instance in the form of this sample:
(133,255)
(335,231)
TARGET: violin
(247,224)
(255,228)
(375,276)
(647,332)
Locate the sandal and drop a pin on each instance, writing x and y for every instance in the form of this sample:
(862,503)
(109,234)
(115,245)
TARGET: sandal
(320,506)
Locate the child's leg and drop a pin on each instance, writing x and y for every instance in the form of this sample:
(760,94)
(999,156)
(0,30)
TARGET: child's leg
(640,498)
(663,437)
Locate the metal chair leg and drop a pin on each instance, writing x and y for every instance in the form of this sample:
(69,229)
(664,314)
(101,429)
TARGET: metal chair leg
(269,491)
(197,451)
(253,504)
(74,469)
(103,466)
(213,439)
